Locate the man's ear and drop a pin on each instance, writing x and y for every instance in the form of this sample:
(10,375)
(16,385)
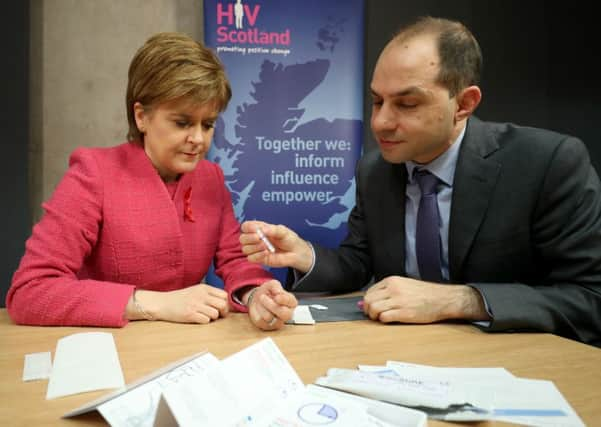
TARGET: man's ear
(467,101)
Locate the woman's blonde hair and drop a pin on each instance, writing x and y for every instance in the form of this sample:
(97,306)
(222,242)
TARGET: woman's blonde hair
(172,66)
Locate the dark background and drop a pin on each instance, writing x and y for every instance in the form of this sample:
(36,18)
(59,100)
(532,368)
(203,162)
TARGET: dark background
(542,64)
(542,60)
(14,137)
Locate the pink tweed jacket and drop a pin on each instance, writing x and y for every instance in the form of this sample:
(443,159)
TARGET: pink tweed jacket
(111,226)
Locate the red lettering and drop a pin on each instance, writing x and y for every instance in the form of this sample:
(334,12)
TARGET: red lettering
(252,36)
(229,14)
(222,34)
(251,17)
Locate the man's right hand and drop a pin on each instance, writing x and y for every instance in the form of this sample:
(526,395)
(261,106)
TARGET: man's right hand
(290,249)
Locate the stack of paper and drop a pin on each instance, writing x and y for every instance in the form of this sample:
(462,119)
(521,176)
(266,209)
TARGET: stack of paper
(458,394)
(254,387)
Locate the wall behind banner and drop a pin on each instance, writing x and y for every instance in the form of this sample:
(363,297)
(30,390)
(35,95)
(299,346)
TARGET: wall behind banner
(542,63)
(76,73)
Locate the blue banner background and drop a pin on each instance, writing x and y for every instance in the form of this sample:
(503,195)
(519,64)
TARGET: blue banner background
(290,139)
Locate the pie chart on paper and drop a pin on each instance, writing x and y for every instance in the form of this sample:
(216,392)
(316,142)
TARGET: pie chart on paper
(318,414)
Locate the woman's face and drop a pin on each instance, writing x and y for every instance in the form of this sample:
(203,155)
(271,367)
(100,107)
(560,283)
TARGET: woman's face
(176,135)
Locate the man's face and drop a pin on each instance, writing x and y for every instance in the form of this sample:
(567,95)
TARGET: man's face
(413,117)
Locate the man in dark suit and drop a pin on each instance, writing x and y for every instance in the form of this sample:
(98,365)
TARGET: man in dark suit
(512,239)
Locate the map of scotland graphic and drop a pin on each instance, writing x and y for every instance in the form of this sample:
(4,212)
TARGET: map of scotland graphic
(290,138)
(255,167)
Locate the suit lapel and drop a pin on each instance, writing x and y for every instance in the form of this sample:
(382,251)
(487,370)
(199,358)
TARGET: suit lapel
(394,206)
(475,178)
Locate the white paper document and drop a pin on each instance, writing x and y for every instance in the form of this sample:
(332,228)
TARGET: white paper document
(138,405)
(517,400)
(533,402)
(258,387)
(261,376)
(321,406)
(241,389)
(37,366)
(459,394)
(84,362)
(302,316)
(409,390)
(450,374)
(200,401)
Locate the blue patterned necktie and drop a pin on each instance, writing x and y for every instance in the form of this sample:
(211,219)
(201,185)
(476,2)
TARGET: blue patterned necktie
(427,237)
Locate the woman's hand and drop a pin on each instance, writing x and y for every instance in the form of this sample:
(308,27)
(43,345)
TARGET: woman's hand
(269,305)
(195,304)
(290,249)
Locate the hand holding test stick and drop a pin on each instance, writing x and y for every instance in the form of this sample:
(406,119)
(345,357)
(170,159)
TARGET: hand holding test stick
(265,240)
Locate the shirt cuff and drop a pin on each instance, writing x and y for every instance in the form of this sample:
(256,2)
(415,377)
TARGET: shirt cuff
(483,323)
(298,276)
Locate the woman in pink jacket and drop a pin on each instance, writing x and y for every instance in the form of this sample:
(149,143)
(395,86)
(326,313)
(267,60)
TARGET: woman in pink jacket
(131,230)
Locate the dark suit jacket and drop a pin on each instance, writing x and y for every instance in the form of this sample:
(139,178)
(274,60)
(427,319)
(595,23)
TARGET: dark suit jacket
(525,230)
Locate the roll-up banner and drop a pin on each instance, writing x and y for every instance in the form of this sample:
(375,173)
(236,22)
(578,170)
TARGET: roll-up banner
(291,136)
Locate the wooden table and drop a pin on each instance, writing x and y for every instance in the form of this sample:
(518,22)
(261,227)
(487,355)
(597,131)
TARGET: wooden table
(144,346)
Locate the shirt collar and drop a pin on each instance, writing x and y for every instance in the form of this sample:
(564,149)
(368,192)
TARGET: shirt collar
(443,167)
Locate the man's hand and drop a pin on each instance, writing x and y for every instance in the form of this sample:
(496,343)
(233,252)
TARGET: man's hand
(400,299)
(290,249)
